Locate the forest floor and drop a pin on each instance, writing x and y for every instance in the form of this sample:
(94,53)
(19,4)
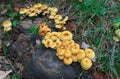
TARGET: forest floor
(94,22)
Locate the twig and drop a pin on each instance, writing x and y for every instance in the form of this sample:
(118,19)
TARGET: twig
(11,64)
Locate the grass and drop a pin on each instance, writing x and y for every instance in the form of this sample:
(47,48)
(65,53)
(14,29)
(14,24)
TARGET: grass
(95,19)
(99,33)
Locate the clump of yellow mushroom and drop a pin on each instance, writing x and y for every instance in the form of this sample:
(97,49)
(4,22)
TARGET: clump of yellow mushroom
(51,12)
(33,10)
(7,25)
(44,29)
(85,58)
(67,50)
(54,39)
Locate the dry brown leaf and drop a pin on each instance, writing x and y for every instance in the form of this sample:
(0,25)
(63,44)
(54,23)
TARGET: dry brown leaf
(20,54)
(38,42)
(84,45)
(16,7)
(4,60)
(70,26)
(94,59)
(99,75)
(4,74)
(20,66)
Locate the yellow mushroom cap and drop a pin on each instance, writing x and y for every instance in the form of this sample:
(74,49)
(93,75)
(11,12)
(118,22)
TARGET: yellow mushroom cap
(42,32)
(55,35)
(61,46)
(118,34)
(53,45)
(38,5)
(48,30)
(22,10)
(81,54)
(43,25)
(43,41)
(63,28)
(32,14)
(57,21)
(65,19)
(58,26)
(58,17)
(49,8)
(60,51)
(51,17)
(58,43)
(7,29)
(71,42)
(74,51)
(117,31)
(6,24)
(48,43)
(38,11)
(61,57)
(48,35)
(65,42)
(67,61)
(54,9)
(66,35)
(45,12)
(75,48)
(89,53)
(86,63)
(67,53)
(53,13)
(44,6)
(74,58)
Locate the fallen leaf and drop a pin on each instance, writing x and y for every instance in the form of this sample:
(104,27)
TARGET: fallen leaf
(80,0)
(84,45)
(115,38)
(20,54)
(16,7)
(4,74)
(3,60)
(99,75)
(20,66)
(70,26)
(38,42)
(94,59)
(4,11)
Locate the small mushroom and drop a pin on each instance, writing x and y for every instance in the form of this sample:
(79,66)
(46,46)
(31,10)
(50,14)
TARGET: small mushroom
(22,10)
(67,60)
(81,54)
(67,53)
(86,63)
(66,35)
(89,53)
(61,57)
(74,58)
(60,51)
(7,25)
